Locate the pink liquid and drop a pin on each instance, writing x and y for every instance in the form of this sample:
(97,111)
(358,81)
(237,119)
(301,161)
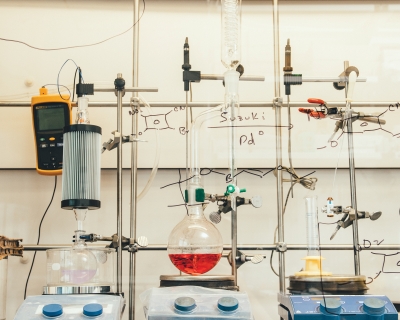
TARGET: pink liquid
(79,276)
(195,264)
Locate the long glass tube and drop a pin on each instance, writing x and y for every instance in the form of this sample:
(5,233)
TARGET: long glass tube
(230,25)
(232,106)
(230,58)
(194,137)
(312,225)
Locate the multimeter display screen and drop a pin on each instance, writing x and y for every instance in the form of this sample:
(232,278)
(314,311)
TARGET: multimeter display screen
(51,119)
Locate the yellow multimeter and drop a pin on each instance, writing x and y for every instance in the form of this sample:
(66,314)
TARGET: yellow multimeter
(50,114)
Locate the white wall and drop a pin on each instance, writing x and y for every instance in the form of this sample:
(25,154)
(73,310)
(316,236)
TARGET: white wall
(323,34)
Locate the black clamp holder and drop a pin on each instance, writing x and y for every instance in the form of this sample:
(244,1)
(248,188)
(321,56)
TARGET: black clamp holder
(290,79)
(344,74)
(188,76)
(225,204)
(133,244)
(119,84)
(242,258)
(83,88)
(118,138)
(349,216)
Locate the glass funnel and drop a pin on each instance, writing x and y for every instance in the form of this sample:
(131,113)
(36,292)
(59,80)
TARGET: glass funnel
(195,245)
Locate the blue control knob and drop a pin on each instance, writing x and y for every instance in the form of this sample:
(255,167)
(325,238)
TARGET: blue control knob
(331,306)
(93,310)
(374,306)
(228,304)
(185,304)
(52,310)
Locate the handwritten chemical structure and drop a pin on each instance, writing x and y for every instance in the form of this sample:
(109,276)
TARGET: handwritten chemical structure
(250,138)
(335,143)
(157,122)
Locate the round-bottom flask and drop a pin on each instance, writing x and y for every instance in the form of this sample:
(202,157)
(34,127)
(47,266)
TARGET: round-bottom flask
(80,265)
(195,244)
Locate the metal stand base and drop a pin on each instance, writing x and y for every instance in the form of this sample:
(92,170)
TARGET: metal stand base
(213,282)
(77,289)
(335,284)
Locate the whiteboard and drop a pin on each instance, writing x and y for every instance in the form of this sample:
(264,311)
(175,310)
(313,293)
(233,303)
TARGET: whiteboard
(375,146)
(323,35)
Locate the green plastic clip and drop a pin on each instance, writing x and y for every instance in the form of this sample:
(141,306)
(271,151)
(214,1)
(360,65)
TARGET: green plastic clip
(200,195)
(229,189)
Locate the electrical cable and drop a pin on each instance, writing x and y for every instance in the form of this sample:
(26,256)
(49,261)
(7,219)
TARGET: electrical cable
(40,227)
(29,94)
(73,88)
(305,181)
(77,46)
(156,159)
(290,140)
(320,259)
(58,77)
(308,183)
(60,85)
(180,189)
(337,165)
(276,229)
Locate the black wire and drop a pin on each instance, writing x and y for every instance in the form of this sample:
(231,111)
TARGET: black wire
(180,189)
(320,261)
(283,213)
(73,89)
(78,46)
(40,227)
(58,77)
(58,85)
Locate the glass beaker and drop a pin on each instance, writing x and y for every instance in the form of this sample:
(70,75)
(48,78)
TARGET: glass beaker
(195,244)
(66,267)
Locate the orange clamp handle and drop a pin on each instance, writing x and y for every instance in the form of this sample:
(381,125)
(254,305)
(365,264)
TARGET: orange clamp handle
(303,110)
(316,100)
(313,113)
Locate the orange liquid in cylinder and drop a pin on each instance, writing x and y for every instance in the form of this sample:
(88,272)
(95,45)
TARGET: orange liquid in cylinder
(195,264)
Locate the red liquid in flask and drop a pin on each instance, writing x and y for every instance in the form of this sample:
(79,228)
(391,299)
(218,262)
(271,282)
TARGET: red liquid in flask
(195,264)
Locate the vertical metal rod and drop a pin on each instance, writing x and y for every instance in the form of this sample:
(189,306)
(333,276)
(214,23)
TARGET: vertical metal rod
(119,190)
(3,288)
(134,158)
(353,197)
(133,219)
(233,171)
(353,193)
(187,140)
(278,133)
(276,50)
(187,145)
(234,243)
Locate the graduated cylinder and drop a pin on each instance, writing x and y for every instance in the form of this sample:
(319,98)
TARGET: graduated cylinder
(313,266)
(81,167)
